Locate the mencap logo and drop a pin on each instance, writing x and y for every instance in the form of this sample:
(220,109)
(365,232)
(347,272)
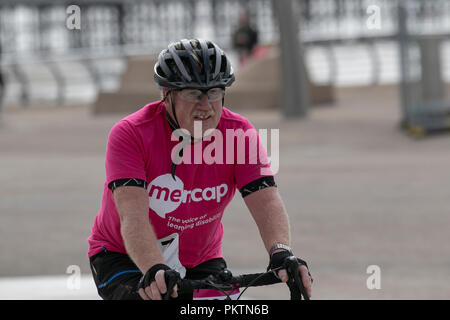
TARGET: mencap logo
(166,194)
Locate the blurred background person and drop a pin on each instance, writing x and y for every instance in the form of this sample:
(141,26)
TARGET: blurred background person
(245,38)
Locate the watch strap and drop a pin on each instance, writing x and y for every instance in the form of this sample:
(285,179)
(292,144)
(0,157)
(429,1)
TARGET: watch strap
(280,246)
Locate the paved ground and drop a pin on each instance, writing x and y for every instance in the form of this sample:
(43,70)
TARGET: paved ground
(359,193)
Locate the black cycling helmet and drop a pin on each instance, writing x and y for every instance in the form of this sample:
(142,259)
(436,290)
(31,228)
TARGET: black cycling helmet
(195,63)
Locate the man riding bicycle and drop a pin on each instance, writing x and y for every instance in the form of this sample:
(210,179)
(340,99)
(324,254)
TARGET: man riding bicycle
(161,207)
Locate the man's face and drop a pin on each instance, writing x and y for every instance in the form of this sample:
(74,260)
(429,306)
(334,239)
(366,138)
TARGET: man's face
(191,105)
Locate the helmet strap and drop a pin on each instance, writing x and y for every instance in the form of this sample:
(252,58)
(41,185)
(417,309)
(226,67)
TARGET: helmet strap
(174,125)
(174,113)
(223,98)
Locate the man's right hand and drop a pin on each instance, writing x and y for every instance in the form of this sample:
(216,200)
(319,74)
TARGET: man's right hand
(153,283)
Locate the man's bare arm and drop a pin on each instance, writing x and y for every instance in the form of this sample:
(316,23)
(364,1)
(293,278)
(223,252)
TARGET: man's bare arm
(137,232)
(270,216)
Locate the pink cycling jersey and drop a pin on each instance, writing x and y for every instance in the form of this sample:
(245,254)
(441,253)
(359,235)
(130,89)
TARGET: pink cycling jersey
(189,204)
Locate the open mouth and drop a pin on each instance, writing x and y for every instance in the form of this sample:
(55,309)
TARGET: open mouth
(202,118)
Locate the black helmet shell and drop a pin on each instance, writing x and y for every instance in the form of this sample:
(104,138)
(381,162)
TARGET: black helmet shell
(194,63)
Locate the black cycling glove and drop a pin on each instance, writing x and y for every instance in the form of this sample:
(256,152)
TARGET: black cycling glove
(277,260)
(149,276)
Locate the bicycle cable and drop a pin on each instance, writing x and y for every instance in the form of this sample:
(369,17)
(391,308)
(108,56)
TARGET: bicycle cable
(216,287)
(257,278)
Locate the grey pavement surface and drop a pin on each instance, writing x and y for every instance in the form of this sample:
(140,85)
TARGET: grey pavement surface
(358,191)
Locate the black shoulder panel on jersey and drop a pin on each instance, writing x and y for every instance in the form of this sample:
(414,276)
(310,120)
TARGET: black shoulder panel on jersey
(131,182)
(258,184)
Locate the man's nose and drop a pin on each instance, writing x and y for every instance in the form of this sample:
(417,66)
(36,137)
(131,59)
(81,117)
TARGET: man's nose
(204,101)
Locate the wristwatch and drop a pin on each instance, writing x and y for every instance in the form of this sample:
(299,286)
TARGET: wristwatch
(280,246)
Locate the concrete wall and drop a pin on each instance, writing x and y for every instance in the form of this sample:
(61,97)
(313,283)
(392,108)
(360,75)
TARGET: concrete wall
(257,86)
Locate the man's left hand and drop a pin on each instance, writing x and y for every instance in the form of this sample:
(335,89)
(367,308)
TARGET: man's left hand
(277,260)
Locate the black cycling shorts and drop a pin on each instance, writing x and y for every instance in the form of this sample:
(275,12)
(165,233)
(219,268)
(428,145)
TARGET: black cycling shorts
(116,276)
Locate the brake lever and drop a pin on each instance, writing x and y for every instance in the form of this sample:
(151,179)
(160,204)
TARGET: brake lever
(295,283)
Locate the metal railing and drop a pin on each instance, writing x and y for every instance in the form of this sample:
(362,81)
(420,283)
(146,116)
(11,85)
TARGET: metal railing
(35,31)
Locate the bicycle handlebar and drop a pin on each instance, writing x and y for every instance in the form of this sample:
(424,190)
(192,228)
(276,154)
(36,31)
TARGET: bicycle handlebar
(225,281)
